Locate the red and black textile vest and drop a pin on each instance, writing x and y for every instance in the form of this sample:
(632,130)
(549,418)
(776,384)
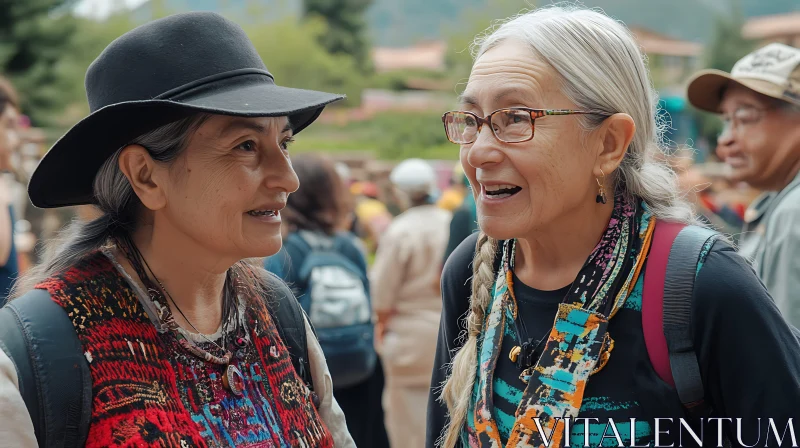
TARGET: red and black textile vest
(148,391)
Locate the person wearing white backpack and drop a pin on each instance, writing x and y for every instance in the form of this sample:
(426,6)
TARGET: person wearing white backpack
(326,268)
(407,301)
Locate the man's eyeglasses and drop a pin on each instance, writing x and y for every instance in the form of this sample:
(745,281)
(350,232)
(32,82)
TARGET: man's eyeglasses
(742,116)
(512,125)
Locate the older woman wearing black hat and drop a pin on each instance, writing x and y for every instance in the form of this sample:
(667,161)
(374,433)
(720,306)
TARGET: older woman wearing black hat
(172,338)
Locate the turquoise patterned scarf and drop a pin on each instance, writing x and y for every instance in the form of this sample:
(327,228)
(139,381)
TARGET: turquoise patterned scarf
(578,344)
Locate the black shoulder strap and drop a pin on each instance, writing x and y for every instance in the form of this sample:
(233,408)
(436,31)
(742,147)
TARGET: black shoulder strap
(678,290)
(290,320)
(54,377)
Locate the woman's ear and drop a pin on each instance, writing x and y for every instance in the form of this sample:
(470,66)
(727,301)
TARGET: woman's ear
(141,170)
(616,135)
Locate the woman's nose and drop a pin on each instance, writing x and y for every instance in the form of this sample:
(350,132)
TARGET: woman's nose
(280,174)
(485,149)
(289,181)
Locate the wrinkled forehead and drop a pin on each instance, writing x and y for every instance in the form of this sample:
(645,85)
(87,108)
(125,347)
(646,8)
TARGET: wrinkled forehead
(222,126)
(511,73)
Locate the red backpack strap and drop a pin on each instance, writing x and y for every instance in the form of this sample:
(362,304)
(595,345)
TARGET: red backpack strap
(653,298)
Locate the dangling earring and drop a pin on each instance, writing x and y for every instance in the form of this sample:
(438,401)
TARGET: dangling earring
(601,193)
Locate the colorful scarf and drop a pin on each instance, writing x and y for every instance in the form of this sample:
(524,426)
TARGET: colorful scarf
(578,344)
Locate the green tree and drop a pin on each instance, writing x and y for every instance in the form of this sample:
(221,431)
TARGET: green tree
(294,56)
(726,47)
(471,24)
(400,135)
(727,44)
(91,37)
(347,28)
(33,37)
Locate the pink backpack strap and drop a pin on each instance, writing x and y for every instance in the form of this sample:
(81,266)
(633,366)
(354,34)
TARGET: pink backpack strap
(653,298)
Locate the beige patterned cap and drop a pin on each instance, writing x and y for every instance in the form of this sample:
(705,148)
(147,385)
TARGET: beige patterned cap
(773,70)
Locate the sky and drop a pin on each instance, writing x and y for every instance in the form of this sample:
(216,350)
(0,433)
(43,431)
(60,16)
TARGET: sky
(101,8)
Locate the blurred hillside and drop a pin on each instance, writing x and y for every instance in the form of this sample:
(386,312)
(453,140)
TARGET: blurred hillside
(401,63)
(394,23)
(398,23)
(243,10)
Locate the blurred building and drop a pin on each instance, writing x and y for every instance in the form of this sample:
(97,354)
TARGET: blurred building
(415,91)
(671,60)
(378,100)
(428,55)
(781,28)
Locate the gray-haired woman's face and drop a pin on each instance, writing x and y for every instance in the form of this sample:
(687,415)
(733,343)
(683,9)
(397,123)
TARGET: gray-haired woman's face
(550,174)
(225,191)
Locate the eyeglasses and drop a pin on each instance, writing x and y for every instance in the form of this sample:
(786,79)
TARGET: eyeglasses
(742,116)
(512,125)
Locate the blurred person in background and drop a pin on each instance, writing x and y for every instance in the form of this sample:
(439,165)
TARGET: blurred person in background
(760,106)
(453,196)
(388,195)
(372,215)
(407,301)
(9,142)
(350,221)
(465,218)
(149,325)
(578,218)
(327,270)
(694,181)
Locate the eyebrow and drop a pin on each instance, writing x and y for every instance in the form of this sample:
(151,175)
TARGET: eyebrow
(472,101)
(249,124)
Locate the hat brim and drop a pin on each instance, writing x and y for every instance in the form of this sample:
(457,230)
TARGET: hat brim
(706,88)
(65,176)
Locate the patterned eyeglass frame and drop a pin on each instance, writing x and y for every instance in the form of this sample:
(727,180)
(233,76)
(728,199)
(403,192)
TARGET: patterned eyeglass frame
(535,113)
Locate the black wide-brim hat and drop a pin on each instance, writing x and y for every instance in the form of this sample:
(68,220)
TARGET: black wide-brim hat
(158,73)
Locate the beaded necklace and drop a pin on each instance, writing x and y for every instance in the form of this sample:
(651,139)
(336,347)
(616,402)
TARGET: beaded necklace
(157,293)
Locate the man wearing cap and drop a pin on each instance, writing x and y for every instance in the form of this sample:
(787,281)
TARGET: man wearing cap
(407,301)
(760,143)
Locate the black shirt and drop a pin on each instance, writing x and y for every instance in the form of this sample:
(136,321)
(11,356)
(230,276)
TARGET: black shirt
(749,356)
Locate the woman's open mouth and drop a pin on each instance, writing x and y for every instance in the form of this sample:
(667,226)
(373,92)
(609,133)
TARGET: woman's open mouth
(258,213)
(497,192)
(268,216)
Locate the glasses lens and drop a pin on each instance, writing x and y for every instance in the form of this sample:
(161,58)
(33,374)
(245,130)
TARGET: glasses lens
(747,115)
(512,125)
(461,127)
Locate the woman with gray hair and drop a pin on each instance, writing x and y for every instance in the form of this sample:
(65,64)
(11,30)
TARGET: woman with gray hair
(147,326)
(593,304)
(407,302)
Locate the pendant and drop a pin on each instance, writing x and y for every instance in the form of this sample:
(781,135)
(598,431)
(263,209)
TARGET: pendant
(233,380)
(514,353)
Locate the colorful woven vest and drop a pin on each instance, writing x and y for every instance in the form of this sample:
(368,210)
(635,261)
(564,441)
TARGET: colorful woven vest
(147,392)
